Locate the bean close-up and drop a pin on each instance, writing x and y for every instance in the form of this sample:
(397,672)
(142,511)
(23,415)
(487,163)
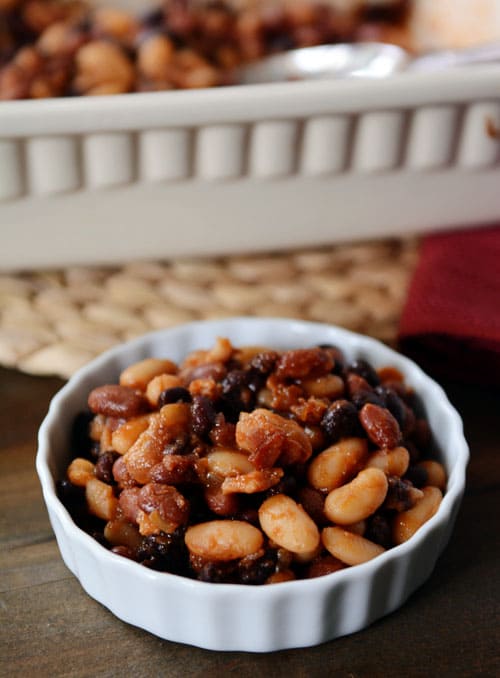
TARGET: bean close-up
(56,48)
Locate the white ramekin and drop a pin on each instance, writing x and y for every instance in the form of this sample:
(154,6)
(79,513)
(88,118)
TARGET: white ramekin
(249,618)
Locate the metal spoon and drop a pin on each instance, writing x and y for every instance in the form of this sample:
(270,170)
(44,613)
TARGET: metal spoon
(358,60)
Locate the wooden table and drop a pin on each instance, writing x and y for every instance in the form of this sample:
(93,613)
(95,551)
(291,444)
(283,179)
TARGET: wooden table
(50,627)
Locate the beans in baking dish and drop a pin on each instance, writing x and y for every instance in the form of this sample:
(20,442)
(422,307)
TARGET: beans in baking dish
(252,465)
(53,48)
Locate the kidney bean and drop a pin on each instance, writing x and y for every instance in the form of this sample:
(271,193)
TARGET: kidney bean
(380,426)
(117,401)
(104,466)
(129,503)
(202,415)
(303,362)
(171,505)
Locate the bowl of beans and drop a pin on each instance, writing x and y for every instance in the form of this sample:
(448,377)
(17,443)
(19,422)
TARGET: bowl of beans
(251,484)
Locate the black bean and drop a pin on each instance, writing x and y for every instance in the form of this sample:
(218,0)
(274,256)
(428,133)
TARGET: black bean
(398,494)
(123,551)
(217,572)
(393,403)
(176,394)
(72,497)
(287,485)
(365,370)
(338,357)
(340,420)
(202,415)
(264,362)
(81,444)
(362,398)
(257,571)
(165,552)
(379,530)
(104,467)
(417,475)
(234,381)
(237,396)
(153,18)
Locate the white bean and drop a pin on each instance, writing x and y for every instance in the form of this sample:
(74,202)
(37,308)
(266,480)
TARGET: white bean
(223,539)
(101,501)
(138,375)
(288,525)
(228,462)
(348,547)
(358,499)
(80,471)
(408,522)
(393,462)
(337,464)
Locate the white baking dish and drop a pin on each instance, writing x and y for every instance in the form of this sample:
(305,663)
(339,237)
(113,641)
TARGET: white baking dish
(231,616)
(104,179)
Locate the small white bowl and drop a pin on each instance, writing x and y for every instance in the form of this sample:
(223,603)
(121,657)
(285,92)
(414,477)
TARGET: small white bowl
(236,617)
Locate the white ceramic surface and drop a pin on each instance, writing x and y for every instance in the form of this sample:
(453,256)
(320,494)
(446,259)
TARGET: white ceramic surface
(249,618)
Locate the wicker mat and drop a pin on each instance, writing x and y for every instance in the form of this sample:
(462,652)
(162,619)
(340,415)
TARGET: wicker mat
(53,322)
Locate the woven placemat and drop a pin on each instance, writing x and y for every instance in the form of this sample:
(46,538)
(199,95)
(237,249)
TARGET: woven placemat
(53,322)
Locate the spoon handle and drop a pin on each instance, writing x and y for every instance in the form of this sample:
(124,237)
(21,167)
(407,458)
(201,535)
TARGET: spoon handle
(442,59)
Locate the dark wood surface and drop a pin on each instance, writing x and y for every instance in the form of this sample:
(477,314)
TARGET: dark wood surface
(50,627)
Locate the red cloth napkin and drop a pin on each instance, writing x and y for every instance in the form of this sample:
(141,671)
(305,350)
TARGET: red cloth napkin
(451,321)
